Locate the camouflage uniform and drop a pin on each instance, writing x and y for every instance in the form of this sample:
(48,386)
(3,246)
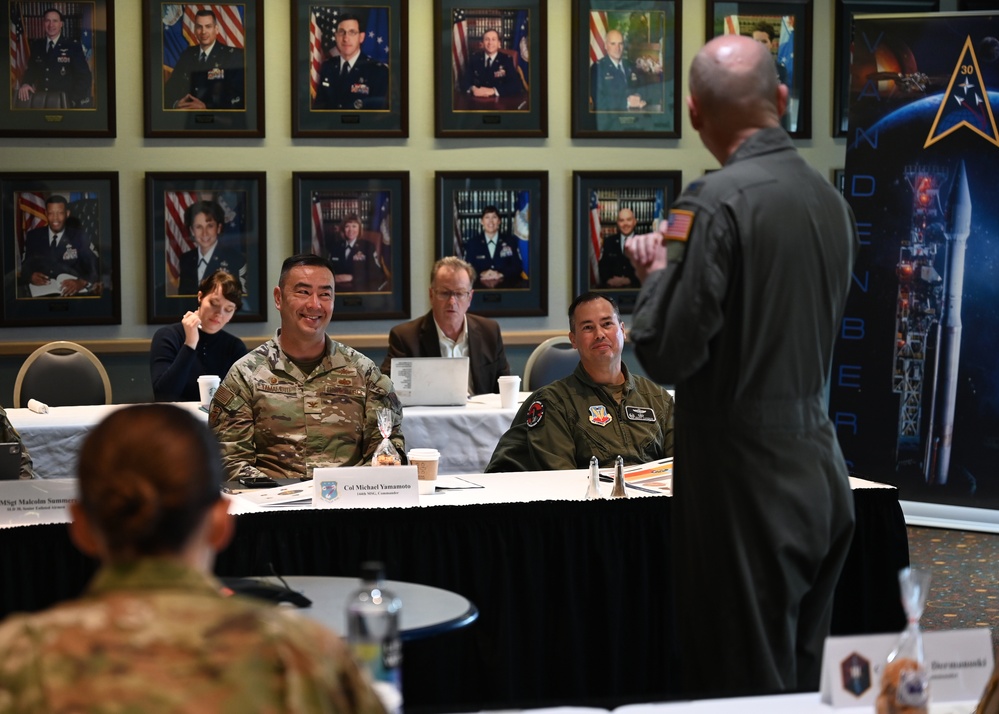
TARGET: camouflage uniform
(566,422)
(7,434)
(157,636)
(271,419)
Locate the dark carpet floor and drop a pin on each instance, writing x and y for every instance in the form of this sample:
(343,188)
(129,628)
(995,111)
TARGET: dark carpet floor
(964,585)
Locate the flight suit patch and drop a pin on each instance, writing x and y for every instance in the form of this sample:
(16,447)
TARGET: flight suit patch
(640,413)
(599,415)
(535,413)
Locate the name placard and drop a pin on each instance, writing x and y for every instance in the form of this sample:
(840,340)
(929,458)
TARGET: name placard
(365,487)
(959,663)
(36,501)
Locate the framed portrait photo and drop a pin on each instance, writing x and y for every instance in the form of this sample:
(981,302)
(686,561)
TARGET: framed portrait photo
(203,69)
(198,223)
(608,208)
(360,223)
(497,221)
(349,75)
(625,68)
(787,28)
(844,51)
(490,69)
(60,69)
(60,249)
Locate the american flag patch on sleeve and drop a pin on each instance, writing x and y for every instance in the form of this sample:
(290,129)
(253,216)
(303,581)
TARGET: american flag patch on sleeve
(680,222)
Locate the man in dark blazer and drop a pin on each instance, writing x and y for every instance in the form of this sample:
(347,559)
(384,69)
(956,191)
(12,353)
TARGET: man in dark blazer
(495,256)
(448,331)
(363,84)
(204,221)
(208,75)
(58,258)
(57,64)
(491,73)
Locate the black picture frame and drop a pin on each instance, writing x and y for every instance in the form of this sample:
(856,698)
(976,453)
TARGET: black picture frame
(598,199)
(521,109)
(377,285)
(82,107)
(372,101)
(791,23)
(231,89)
(650,39)
(240,243)
(845,10)
(521,199)
(88,248)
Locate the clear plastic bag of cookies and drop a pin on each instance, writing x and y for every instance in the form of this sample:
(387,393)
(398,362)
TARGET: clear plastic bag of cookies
(386,454)
(905,682)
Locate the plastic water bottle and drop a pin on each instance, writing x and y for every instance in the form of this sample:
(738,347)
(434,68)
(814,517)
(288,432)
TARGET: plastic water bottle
(373,634)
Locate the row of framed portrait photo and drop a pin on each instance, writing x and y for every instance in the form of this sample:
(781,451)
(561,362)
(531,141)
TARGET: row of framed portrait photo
(203,66)
(61,254)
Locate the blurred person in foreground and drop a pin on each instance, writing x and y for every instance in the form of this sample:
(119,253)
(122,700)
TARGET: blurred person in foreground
(198,344)
(449,331)
(742,297)
(600,410)
(302,396)
(8,434)
(154,631)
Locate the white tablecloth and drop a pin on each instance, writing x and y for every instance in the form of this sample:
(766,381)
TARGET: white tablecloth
(465,435)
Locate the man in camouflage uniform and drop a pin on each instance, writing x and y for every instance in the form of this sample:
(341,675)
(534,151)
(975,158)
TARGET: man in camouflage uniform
(8,434)
(600,410)
(301,397)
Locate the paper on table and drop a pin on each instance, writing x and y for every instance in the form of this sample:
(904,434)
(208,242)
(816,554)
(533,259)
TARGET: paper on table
(291,495)
(654,476)
(453,483)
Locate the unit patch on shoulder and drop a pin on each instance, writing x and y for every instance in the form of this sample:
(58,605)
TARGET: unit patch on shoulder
(535,412)
(640,413)
(599,415)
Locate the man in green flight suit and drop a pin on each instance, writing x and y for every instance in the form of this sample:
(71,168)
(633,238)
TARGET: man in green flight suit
(599,410)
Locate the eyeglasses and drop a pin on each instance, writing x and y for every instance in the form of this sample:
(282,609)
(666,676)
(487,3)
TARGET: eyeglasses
(446,295)
(348,33)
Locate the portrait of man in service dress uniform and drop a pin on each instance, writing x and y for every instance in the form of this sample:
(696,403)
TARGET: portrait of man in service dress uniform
(204,62)
(51,58)
(349,67)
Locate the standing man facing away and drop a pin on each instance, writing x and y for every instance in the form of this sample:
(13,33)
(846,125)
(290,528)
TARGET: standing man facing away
(739,308)
(448,331)
(301,397)
(600,410)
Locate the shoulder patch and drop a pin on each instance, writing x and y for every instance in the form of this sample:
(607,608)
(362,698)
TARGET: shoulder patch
(680,223)
(535,413)
(223,395)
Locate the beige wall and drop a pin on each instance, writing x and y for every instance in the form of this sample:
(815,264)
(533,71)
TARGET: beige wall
(132,156)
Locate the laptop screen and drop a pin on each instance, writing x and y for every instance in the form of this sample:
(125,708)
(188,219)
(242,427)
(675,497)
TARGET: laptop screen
(430,381)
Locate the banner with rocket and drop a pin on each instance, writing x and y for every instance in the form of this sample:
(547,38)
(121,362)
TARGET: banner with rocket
(915,381)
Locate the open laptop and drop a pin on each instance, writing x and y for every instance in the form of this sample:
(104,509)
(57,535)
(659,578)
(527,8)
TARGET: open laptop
(430,381)
(10,461)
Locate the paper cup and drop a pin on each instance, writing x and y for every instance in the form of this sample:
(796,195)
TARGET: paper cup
(509,389)
(425,461)
(207,384)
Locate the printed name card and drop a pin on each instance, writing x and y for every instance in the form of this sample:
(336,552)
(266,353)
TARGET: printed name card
(959,663)
(365,487)
(36,501)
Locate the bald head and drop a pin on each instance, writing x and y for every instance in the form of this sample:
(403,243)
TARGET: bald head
(734,89)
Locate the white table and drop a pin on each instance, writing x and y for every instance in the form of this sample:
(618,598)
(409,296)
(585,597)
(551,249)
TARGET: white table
(465,435)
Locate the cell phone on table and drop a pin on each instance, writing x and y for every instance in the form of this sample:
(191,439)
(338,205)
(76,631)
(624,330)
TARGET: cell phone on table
(257,482)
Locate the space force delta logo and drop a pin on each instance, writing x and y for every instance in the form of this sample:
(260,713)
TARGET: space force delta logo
(965,103)
(329,490)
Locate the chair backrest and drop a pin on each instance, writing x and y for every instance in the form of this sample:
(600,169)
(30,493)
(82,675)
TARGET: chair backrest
(552,359)
(62,374)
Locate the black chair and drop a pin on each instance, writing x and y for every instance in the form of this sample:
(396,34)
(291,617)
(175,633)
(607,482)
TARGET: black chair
(62,374)
(552,359)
